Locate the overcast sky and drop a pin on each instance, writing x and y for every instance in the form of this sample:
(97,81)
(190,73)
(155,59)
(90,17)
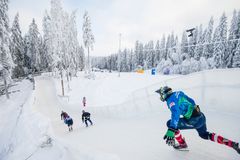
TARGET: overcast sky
(141,20)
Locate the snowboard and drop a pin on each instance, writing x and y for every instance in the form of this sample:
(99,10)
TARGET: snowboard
(180,149)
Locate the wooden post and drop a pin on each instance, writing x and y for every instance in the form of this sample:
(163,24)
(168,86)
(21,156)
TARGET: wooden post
(62,83)
(5,83)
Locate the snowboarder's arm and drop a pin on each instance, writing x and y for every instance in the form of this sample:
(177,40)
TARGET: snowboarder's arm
(82,118)
(175,117)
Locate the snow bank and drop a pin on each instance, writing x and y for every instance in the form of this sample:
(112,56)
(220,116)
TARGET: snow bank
(211,89)
(11,112)
(25,133)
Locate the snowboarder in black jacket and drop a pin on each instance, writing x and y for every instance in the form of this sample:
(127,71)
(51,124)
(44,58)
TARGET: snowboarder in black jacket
(86,117)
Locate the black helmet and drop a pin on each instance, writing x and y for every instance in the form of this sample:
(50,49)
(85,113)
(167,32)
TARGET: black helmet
(164,92)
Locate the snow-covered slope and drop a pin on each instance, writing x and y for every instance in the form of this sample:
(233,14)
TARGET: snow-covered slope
(129,119)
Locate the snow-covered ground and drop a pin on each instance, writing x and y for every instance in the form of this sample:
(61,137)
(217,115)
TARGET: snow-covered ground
(129,119)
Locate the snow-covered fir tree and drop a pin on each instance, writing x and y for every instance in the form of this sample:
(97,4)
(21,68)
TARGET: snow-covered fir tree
(236,57)
(123,62)
(232,38)
(6,62)
(130,61)
(208,47)
(80,58)
(88,38)
(176,59)
(48,56)
(199,48)
(73,44)
(184,43)
(168,47)
(192,43)
(157,52)
(56,15)
(220,43)
(163,53)
(150,54)
(17,48)
(139,53)
(33,47)
(172,43)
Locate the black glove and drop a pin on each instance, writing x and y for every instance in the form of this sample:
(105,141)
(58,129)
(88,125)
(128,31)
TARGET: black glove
(170,136)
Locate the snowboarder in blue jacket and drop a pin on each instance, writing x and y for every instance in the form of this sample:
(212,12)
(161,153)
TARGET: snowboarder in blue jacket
(186,114)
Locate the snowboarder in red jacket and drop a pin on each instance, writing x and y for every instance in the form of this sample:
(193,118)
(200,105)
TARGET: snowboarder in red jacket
(63,115)
(84,101)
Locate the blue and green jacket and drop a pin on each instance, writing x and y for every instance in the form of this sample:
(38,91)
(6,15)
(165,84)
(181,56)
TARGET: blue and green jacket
(179,104)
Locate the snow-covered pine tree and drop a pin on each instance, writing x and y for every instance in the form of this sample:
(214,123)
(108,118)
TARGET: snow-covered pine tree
(172,43)
(168,47)
(220,44)
(150,54)
(130,61)
(172,51)
(56,16)
(48,56)
(43,62)
(114,62)
(238,24)
(17,48)
(163,48)
(6,62)
(199,48)
(177,55)
(139,53)
(88,38)
(157,52)
(184,43)
(175,58)
(110,63)
(27,62)
(124,67)
(233,35)
(192,43)
(66,53)
(208,46)
(236,57)
(81,58)
(33,48)
(73,43)
(145,54)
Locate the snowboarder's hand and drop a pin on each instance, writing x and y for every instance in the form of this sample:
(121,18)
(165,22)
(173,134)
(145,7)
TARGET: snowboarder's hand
(169,137)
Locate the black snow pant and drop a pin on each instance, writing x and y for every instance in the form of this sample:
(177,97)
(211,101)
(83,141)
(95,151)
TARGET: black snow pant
(88,119)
